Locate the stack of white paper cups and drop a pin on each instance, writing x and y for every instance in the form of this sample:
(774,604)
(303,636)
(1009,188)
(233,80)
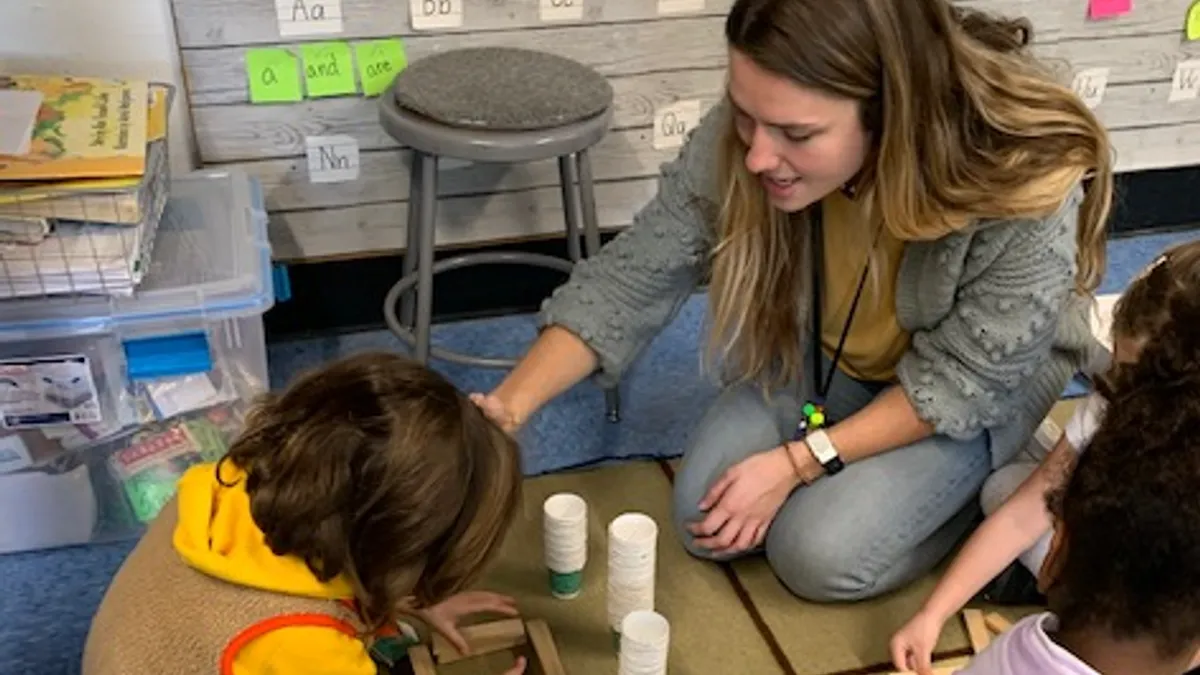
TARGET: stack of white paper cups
(645,642)
(632,554)
(564,530)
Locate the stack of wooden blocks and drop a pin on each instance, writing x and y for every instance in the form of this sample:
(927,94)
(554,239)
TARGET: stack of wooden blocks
(531,638)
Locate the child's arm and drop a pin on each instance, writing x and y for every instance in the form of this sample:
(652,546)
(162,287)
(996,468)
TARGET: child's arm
(1003,536)
(1011,530)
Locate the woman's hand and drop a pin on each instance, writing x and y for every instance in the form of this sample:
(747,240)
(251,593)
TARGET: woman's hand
(444,616)
(744,501)
(498,411)
(912,646)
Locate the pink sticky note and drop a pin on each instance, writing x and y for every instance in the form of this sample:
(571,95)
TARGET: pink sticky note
(1103,9)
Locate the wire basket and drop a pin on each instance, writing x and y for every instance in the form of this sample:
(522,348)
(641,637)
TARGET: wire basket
(86,239)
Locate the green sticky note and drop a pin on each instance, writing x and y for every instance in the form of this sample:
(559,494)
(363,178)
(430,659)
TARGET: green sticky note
(379,61)
(273,75)
(328,69)
(1193,21)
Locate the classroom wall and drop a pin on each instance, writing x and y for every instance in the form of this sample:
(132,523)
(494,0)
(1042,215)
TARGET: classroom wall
(113,38)
(654,61)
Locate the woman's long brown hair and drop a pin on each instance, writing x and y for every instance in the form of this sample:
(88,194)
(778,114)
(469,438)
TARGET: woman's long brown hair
(965,126)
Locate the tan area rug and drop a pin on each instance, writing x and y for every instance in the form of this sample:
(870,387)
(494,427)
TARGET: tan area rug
(820,639)
(712,632)
(714,629)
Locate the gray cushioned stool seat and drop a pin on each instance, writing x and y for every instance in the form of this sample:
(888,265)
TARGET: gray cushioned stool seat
(491,105)
(502,89)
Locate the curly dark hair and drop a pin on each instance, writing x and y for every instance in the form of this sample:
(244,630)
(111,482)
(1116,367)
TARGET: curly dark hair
(1130,510)
(376,468)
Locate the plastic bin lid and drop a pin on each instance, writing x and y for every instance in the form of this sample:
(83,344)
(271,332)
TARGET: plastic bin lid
(211,259)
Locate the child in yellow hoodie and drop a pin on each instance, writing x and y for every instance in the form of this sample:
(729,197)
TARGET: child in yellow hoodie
(367,489)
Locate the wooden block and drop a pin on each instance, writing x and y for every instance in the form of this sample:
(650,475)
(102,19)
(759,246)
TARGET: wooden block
(422,660)
(545,652)
(483,638)
(996,623)
(977,630)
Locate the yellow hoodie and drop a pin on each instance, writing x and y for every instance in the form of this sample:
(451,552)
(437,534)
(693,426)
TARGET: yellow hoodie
(215,535)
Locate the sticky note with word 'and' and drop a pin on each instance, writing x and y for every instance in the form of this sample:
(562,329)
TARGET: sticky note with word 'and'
(1103,9)
(328,69)
(379,61)
(273,75)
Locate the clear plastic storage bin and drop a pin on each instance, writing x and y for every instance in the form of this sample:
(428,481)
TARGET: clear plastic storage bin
(104,400)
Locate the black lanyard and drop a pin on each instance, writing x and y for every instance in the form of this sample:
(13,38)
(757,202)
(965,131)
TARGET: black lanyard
(814,411)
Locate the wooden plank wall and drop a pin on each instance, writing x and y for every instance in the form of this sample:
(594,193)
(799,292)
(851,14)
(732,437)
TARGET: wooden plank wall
(652,61)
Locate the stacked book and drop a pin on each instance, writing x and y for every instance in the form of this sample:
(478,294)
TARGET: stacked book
(84,178)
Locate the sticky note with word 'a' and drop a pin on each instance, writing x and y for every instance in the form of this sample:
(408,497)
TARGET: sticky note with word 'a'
(1192,27)
(328,69)
(274,76)
(379,61)
(1103,9)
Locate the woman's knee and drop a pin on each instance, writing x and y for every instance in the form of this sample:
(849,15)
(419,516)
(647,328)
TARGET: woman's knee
(739,424)
(1003,483)
(819,564)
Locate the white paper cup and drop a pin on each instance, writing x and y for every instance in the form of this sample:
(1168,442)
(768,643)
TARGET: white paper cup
(564,534)
(645,644)
(632,559)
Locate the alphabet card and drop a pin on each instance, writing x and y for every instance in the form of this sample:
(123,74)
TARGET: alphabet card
(1185,85)
(433,14)
(331,159)
(672,123)
(308,17)
(328,69)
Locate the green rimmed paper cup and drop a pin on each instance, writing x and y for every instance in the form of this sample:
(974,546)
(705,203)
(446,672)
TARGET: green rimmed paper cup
(566,585)
(565,542)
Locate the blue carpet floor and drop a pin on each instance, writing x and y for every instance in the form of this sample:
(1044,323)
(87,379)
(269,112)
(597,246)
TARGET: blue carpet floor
(47,598)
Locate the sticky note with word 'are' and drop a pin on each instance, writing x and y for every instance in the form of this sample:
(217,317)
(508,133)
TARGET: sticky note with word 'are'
(379,61)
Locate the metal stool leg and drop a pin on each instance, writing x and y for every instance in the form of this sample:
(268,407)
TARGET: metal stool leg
(568,176)
(587,193)
(411,252)
(426,227)
(591,235)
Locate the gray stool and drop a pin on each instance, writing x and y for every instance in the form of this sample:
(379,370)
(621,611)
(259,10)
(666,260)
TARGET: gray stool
(491,105)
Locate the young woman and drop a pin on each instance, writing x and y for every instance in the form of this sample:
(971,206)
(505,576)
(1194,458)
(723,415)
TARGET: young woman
(888,208)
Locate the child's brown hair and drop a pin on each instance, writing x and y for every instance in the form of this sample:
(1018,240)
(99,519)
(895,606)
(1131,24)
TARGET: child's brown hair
(1130,510)
(1159,313)
(377,468)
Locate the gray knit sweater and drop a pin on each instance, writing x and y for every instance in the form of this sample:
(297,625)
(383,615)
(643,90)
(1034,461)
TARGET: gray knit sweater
(997,330)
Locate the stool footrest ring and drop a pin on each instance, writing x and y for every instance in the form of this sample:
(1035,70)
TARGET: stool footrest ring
(409,282)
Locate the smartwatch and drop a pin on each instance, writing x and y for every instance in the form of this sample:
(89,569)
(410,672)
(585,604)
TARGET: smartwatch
(822,449)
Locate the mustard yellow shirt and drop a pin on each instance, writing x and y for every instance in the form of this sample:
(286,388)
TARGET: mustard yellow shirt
(876,342)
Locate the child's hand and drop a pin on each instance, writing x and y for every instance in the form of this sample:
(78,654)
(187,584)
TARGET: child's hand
(517,669)
(444,616)
(912,645)
(497,411)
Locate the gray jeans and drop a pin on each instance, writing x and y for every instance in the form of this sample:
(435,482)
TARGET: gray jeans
(877,525)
